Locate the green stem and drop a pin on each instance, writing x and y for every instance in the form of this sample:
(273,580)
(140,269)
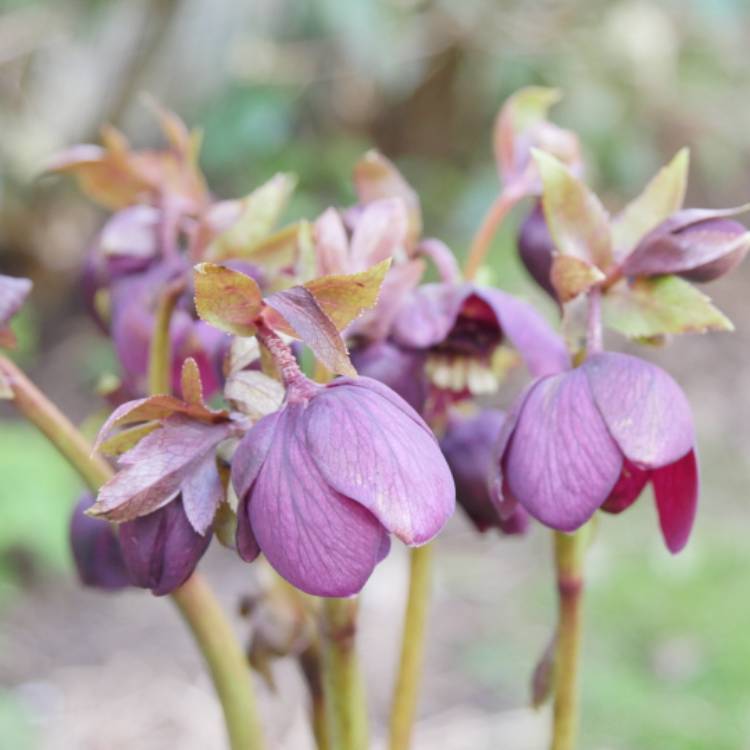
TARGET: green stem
(196,601)
(569,559)
(406,693)
(345,703)
(160,352)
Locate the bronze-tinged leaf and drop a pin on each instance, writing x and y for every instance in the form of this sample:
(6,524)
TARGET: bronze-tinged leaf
(572,276)
(578,222)
(282,249)
(190,382)
(254,393)
(260,212)
(227,299)
(663,195)
(126,439)
(661,305)
(307,321)
(344,298)
(376,177)
(156,408)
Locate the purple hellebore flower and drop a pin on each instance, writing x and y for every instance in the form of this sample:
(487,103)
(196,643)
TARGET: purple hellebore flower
(592,437)
(324,480)
(460,326)
(697,244)
(96,550)
(536,248)
(162,549)
(468,447)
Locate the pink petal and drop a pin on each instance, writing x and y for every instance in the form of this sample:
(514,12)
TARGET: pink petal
(319,540)
(644,409)
(561,463)
(676,492)
(371,446)
(202,491)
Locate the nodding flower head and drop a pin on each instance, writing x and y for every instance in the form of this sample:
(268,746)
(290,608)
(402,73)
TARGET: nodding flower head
(468,446)
(459,327)
(536,248)
(592,438)
(325,480)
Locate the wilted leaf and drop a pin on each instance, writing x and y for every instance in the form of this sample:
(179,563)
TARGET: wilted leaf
(661,305)
(227,299)
(164,463)
(660,199)
(578,222)
(572,276)
(343,298)
(306,320)
(376,177)
(261,210)
(254,393)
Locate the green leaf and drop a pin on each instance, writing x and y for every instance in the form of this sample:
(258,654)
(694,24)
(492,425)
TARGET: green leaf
(345,297)
(663,195)
(261,211)
(660,305)
(227,299)
(578,222)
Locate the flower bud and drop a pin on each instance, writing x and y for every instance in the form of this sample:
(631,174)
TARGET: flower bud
(96,551)
(162,549)
(536,248)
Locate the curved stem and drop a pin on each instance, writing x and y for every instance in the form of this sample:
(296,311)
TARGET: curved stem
(345,704)
(406,693)
(225,659)
(213,633)
(569,556)
(160,351)
(480,245)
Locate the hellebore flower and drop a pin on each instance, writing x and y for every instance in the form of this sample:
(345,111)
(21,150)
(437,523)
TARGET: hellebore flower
(468,446)
(536,248)
(162,549)
(592,437)
(697,244)
(323,482)
(96,550)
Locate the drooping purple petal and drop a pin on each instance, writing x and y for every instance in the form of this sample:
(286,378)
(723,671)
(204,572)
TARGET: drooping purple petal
(429,314)
(202,492)
(371,446)
(644,409)
(319,540)
(536,248)
(468,446)
(542,350)
(561,463)
(676,493)
(400,369)
(96,550)
(162,549)
(628,488)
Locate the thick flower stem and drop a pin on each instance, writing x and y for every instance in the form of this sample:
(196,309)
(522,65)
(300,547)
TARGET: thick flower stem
(480,245)
(569,557)
(406,692)
(345,703)
(196,601)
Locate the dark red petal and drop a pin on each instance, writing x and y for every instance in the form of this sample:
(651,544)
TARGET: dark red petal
(628,488)
(676,492)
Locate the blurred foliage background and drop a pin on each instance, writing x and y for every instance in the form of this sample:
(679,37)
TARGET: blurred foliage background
(306,86)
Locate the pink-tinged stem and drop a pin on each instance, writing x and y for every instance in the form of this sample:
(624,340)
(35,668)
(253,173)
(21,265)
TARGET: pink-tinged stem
(294,380)
(482,241)
(569,557)
(195,600)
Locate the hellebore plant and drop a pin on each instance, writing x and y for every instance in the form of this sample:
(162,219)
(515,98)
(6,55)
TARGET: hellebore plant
(299,395)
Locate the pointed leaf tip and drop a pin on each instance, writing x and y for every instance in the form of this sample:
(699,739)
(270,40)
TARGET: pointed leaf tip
(227,299)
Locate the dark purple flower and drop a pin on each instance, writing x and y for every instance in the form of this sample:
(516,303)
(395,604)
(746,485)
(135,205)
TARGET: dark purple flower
(323,482)
(536,248)
(592,437)
(162,549)
(697,244)
(460,327)
(468,447)
(96,550)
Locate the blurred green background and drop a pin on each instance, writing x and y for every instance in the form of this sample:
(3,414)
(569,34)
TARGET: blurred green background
(307,86)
